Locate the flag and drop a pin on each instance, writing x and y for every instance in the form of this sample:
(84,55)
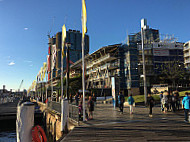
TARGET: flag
(41,73)
(44,69)
(54,56)
(64,33)
(48,64)
(84,18)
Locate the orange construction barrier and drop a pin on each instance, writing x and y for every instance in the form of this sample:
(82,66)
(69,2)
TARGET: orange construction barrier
(38,134)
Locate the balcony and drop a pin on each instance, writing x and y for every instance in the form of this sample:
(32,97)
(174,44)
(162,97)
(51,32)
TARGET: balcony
(146,63)
(186,54)
(185,48)
(98,61)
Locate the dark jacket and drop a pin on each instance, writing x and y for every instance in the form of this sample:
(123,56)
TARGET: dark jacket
(150,101)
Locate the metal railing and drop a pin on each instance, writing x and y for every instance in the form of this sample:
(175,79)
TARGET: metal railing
(55,106)
(74,113)
(6,100)
(73,110)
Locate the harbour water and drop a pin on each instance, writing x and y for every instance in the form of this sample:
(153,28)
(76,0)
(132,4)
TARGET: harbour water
(8,136)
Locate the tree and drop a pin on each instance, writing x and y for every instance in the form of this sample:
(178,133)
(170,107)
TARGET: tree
(171,72)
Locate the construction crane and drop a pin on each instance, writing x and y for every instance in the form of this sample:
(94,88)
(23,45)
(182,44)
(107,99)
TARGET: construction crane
(20,86)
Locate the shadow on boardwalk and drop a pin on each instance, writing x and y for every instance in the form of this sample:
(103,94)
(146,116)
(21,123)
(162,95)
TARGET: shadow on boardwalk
(110,125)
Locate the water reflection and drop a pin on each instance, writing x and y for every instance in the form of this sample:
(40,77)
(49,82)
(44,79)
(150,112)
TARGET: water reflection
(9,136)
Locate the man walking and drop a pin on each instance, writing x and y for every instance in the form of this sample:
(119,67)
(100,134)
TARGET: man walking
(150,101)
(121,100)
(185,105)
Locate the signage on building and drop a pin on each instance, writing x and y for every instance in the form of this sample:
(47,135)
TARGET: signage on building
(160,52)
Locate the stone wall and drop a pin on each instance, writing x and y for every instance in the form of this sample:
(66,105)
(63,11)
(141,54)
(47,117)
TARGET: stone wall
(53,122)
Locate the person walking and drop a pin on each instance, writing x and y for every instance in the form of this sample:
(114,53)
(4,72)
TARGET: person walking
(90,107)
(121,100)
(150,101)
(161,96)
(186,105)
(174,100)
(77,99)
(165,101)
(131,102)
(177,100)
(169,101)
(94,98)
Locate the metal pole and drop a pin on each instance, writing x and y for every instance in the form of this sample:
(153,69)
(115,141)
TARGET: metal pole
(83,81)
(46,85)
(62,75)
(144,68)
(67,81)
(51,73)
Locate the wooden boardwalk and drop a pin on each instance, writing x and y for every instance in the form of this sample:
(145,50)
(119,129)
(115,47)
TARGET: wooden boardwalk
(110,125)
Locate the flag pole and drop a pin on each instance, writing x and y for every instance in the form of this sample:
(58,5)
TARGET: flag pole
(46,85)
(51,72)
(83,44)
(83,81)
(143,58)
(62,56)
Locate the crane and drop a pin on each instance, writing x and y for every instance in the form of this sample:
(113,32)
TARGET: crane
(20,86)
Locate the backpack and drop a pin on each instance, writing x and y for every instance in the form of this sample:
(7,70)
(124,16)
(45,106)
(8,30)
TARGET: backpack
(122,99)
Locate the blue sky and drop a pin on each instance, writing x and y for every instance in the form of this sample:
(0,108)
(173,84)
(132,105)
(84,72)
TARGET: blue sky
(24,25)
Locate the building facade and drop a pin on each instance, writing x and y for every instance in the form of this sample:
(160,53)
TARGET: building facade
(157,52)
(186,51)
(114,61)
(74,38)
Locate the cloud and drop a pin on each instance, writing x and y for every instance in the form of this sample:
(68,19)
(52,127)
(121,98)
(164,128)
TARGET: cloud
(11,63)
(31,65)
(25,29)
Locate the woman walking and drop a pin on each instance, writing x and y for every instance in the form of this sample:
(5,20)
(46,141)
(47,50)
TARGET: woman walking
(131,102)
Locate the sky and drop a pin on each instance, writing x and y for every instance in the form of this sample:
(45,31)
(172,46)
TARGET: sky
(25,24)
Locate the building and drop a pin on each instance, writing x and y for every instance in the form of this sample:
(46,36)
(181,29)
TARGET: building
(157,52)
(186,51)
(113,61)
(74,38)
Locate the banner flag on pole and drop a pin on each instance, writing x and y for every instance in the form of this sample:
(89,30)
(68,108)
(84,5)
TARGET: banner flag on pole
(64,34)
(84,18)
(84,30)
(54,56)
(41,74)
(44,69)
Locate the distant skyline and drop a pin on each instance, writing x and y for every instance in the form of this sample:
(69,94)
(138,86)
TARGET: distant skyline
(25,24)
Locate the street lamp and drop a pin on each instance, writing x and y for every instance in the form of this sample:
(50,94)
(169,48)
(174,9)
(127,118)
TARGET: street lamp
(143,23)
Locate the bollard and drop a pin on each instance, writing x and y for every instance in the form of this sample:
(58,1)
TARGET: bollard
(64,115)
(25,121)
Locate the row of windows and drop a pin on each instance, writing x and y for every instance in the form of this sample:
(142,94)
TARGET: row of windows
(168,58)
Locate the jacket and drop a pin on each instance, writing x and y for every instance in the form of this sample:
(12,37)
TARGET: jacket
(121,99)
(130,100)
(150,101)
(186,102)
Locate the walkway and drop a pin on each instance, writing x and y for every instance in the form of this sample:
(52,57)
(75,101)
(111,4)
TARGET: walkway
(110,125)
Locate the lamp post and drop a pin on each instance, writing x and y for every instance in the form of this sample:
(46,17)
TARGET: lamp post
(143,58)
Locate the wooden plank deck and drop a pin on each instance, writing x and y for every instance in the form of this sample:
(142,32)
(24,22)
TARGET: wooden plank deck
(110,125)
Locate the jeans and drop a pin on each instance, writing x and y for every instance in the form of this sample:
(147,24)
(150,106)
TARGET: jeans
(150,109)
(131,108)
(121,107)
(186,114)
